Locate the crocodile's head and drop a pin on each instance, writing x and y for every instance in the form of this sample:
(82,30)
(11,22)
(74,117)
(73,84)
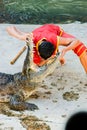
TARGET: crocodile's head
(34,73)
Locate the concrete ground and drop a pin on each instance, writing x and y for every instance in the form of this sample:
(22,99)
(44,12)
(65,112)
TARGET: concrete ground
(61,94)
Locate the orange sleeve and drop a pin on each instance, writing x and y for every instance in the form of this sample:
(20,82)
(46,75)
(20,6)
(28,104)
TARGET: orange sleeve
(79,50)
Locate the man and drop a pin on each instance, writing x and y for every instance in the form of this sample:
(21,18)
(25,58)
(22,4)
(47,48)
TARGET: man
(47,39)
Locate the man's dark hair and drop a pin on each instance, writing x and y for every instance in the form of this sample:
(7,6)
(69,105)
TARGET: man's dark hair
(46,49)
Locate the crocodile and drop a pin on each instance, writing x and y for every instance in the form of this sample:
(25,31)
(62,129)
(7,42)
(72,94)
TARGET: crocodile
(16,88)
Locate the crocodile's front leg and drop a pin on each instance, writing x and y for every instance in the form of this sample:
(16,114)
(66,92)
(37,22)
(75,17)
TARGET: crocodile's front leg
(25,89)
(17,103)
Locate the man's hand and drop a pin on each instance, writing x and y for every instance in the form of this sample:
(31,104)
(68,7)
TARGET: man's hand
(61,57)
(29,37)
(62,61)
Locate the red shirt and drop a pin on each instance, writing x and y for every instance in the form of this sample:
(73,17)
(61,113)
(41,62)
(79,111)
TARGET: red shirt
(47,31)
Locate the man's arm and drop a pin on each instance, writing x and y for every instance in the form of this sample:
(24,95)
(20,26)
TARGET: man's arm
(13,31)
(79,48)
(69,43)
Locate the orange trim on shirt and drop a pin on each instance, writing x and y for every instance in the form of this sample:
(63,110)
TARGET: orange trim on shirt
(61,32)
(39,43)
(56,50)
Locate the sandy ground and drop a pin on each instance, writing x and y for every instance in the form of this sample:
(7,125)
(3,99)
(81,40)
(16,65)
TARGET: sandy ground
(60,94)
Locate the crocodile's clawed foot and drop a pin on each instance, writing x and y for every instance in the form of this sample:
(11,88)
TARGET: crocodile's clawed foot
(31,107)
(19,105)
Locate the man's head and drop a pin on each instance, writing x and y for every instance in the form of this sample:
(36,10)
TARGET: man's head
(46,49)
